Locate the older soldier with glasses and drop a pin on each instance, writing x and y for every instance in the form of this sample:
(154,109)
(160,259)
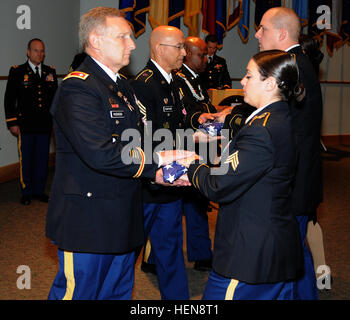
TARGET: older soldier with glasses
(160,104)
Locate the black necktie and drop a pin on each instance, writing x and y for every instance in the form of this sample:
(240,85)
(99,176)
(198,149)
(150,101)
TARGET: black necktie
(37,72)
(210,59)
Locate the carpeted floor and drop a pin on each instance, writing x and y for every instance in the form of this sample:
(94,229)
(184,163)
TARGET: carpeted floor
(23,241)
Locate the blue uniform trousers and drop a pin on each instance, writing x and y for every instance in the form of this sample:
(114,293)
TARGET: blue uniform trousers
(33,152)
(221,288)
(163,225)
(307,284)
(86,276)
(197,230)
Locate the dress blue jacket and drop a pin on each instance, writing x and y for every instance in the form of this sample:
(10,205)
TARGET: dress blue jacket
(96,197)
(257,238)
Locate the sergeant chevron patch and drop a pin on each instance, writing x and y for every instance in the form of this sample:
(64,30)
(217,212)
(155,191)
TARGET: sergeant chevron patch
(233,159)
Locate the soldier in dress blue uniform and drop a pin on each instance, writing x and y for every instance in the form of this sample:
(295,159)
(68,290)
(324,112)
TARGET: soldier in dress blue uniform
(257,248)
(216,74)
(195,97)
(28,96)
(199,109)
(95,214)
(160,104)
(280,29)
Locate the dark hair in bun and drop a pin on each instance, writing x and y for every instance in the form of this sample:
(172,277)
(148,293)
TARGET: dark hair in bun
(283,67)
(311,47)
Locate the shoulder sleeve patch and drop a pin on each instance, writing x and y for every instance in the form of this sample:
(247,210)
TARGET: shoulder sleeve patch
(264,117)
(145,75)
(76,74)
(15,66)
(52,67)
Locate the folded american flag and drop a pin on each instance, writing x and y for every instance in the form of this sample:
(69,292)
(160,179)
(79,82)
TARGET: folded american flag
(173,171)
(213,128)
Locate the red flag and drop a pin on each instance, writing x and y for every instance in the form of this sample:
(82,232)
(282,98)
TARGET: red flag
(209,19)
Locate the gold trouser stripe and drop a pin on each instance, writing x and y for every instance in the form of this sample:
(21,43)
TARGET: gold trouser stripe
(148,248)
(69,273)
(231,289)
(20,161)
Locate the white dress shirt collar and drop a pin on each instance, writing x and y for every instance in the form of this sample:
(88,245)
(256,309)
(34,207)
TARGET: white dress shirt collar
(190,70)
(32,65)
(168,77)
(293,46)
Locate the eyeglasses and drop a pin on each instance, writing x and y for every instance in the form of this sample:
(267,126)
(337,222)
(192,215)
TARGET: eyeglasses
(179,46)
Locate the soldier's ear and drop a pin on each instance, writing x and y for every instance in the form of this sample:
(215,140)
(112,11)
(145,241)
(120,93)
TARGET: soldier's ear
(282,34)
(159,49)
(270,84)
(94,40)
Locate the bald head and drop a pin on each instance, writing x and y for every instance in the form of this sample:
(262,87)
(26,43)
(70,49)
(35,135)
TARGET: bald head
(196,54)
(167,47)
(279,29)
(282,17)
(194,43)
(164,34)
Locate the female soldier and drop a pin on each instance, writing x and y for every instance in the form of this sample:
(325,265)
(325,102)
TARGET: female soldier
(257,249)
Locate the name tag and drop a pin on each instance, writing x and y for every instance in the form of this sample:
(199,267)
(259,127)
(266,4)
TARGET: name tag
(167,108)
(117,114)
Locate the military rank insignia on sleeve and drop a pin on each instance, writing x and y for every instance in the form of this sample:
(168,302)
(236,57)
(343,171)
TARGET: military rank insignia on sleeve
(233,160)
